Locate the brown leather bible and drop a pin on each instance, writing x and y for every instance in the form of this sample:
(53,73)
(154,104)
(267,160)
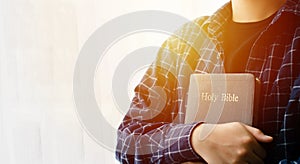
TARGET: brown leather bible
(220,98)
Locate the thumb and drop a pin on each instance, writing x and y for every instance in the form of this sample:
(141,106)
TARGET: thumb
(258,134)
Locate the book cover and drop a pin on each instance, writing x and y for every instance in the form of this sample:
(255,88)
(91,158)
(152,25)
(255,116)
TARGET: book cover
(220,98)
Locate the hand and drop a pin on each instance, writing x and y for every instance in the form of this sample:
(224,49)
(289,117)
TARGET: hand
(229,143)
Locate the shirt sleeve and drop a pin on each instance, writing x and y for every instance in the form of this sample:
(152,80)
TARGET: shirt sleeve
(153,130)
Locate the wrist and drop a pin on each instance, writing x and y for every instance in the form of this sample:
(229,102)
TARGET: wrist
(196,139)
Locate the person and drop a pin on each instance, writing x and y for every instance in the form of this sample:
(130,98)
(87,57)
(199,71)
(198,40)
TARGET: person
(261,37)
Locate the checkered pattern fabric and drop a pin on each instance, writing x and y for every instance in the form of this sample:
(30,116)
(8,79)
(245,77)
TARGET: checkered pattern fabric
(153,130)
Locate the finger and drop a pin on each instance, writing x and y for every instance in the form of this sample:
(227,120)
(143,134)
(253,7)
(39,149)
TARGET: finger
(259,135)
(253,158)
(258,149)
(254,145)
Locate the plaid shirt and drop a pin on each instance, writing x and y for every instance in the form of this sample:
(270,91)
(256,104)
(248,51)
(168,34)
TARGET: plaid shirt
(153,130)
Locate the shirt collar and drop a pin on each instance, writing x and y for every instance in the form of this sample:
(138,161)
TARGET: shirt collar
(216,22)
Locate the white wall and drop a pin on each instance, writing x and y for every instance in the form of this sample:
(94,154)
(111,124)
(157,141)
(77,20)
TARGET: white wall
(39,44)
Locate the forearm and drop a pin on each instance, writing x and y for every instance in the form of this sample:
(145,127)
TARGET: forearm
(159,142)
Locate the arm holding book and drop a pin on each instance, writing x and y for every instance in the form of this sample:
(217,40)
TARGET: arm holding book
(153,130)
(165,138)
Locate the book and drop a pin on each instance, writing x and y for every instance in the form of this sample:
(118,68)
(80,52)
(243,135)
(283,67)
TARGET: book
(221,98)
